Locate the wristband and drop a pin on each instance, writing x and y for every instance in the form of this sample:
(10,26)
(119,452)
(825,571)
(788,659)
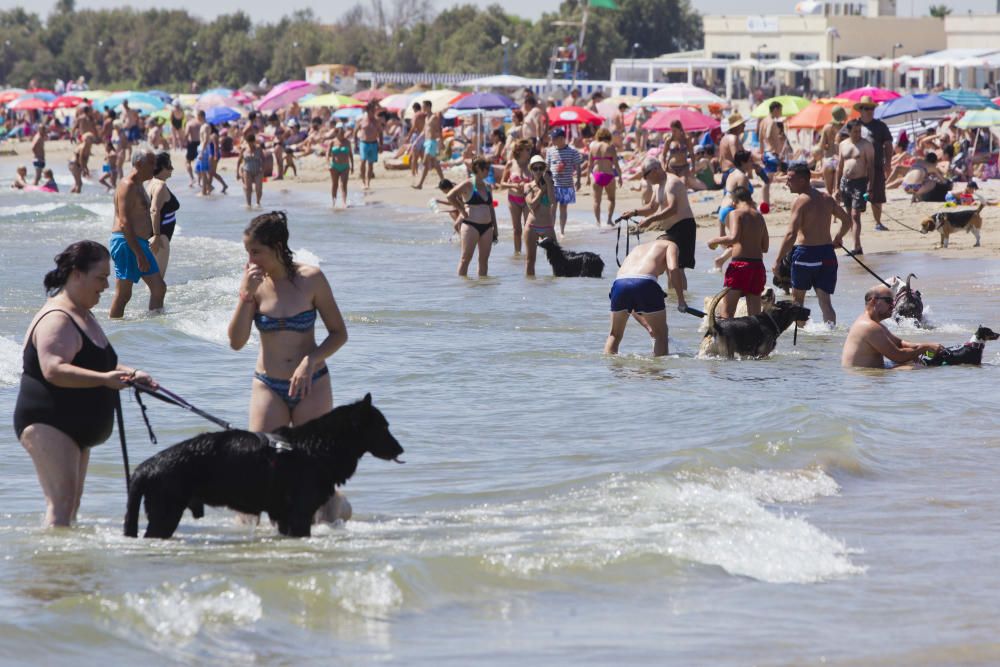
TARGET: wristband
(246,297)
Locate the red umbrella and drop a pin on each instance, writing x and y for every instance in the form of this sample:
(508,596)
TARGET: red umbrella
(877,94)
(371,94)
(40,90)
(691,121)
(559,116)
(29,104)
(10,94)
(66,102)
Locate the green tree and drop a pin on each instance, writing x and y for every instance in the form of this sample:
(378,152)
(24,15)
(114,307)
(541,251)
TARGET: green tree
(939,11)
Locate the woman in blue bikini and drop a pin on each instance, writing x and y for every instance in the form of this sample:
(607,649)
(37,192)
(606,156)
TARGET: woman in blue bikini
(283,298)
(341,162)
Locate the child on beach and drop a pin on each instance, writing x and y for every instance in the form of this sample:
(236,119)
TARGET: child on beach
(109,169)
(564,162)
(20,179)
(50,182)
(746,233)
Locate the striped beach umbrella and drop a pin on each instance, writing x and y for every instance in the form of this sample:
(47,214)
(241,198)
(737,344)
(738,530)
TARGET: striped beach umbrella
(968,99)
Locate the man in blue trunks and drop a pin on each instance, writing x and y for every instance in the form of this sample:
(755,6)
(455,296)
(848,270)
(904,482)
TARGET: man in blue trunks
(637,292)
(814,264)
(130,234)
(367,140)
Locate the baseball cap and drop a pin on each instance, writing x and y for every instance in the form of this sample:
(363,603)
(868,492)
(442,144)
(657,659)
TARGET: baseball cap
(558,132)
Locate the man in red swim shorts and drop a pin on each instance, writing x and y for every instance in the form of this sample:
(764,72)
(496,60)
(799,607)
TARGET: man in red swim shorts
(746,232)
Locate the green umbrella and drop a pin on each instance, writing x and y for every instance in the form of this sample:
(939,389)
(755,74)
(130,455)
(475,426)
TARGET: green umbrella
(331,100)
(981,118)
(790,105)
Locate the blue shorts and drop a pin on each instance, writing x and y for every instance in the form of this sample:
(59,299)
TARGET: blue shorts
(814,266)
(636,294)
(369,151)
(771,162)
(431,147)
(203,165)
(126,265)
(39,164)
(134,133)
(724,212)
(565,195)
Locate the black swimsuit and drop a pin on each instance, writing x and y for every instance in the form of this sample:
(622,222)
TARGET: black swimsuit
(168,215)
(475,199)
(85,415)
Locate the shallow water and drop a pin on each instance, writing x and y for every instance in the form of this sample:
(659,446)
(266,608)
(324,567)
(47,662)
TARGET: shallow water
(556,505)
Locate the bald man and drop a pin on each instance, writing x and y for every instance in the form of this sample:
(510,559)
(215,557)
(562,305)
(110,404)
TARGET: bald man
(869,343)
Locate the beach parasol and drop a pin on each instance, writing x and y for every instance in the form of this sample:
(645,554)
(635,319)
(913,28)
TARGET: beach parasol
(691,121)
(439,99)
(284,94)
(224,92)
(397,101)
(790,105)
(348,113)
(217,115)
(142,102)
(29,103)
(332,100)
(371,94)
(560,116)
(910,104)
(66,102)
(680,94)
(968,99)
(10,94)
(212,100)
(164,96)
(980,118)
(819,113)
(877,94)
(92,95)
(484,101)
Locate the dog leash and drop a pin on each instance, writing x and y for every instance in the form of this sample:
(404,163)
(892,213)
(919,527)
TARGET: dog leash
(121,438)
(865,267)
(901,224)
(170,397)
(618,224)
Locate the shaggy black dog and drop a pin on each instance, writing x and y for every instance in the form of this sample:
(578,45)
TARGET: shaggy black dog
(752,336)
(971,353)
(783,278)
(907,301)
(289,473)
(569,264)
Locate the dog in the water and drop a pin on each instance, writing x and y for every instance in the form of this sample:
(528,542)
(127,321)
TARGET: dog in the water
(289,473)
(751,336)
(947,222)
(907,301)
(767,301)
(782,278)
(970,353)
(569,264)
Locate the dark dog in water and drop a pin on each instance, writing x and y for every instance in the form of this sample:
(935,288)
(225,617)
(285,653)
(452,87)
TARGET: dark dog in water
(569,264)
(907,301)
(289,473)
(971,353)
(752,336)
(782,279)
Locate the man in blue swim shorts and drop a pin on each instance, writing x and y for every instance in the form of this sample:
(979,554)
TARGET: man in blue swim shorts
(637,292)
(773,141)
(367,140)
(814,264)
(130,234)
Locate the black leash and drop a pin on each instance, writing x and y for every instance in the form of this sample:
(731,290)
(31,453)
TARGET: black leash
(170,397)
(121,438)
(618,224)
(901,224)
(865,267)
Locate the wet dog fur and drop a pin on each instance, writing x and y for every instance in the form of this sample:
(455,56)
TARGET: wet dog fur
(907,302)
(970,353)
(752,336)
(289,475)
(569,264)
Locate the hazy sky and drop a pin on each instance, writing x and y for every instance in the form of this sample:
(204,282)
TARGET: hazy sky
(268,10)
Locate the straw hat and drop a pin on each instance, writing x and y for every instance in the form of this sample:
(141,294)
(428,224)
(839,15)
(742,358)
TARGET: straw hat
(735,120)
(838,114)
(865,102)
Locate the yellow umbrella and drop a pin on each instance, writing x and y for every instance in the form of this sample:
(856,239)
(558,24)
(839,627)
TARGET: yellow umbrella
(439,99)
(332,100)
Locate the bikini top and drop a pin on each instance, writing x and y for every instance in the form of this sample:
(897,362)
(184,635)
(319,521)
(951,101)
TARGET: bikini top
(303,321)
(340,149)
(475,199)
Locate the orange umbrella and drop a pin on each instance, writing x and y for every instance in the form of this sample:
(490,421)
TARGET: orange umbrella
(819,113)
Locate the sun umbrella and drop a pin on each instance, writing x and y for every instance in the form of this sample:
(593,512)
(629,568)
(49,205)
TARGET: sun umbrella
(142,102)
(790,105)
(968,99)
(66,102)
(680,94)
(348,113)
(92,95)
(29,103)
(877,94)
(10,94)
(332,100)
(370,94)
(225,92)
(284,94)
(210,101)
(485,101)
(818,114)
(244,97)
(559,116)
(217,115)
(396,102)
(187,100)
(165,97)
(439,99)
(980,118)
(913,103)
(691,121)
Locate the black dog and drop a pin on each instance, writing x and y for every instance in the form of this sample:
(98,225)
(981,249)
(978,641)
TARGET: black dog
(782,279)
(752,336)
(971,353)
(569,264)
(907,301)
(289,473)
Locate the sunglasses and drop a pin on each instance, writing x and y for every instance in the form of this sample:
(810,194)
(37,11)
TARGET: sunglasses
(887,299)
(538,168)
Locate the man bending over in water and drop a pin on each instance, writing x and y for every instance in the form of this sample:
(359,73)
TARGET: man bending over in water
(637,292)
(869,343)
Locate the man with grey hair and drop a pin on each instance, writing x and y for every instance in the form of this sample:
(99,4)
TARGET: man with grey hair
(130,234)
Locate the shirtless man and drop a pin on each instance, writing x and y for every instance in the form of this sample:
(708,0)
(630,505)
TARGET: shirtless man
(854,172)
(192,136)
(746,234)
(367,139)
(133,133)
(869,343)
(415,139)
(731,142)
(637,292)
(617,126)
(828,147)
(773,141)
(38,150)
(130,236)
(84,124)
(534,121)
(814,264)
(670,211)
(432,141)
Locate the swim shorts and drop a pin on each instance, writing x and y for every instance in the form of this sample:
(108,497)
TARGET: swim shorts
(431,147)
(814,266)
(192,151)
(852,192)
(134,133)
(369,151)
(565,195)
(126,264)
(765,179)
(684,233)
(746,275)
(38,164)
(636,294)
(724,212)
(771,162)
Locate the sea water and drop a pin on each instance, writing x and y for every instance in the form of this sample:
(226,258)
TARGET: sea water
(556,506)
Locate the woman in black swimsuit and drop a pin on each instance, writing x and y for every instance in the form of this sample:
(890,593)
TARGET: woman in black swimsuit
(479,219)
(163,207)
(71,373)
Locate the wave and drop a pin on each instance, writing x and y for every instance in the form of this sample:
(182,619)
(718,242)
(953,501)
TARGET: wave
(10,362)
(54,212)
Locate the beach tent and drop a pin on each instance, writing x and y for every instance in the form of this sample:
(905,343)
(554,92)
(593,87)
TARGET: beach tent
(790,105)
(569,115)
(818,114)
(967,99)
(691,121)
(332,100)
(680,95)
(285,94)
(877,94)
(911,104)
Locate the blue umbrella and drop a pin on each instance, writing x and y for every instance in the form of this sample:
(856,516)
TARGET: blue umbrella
(348,112)
(968,99)
(166,97)
(485,101)
(217,115)
(143,102)
(909,104)
(225,92)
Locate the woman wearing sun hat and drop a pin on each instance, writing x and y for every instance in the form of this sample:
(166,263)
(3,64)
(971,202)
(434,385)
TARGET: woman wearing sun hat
(878,133)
